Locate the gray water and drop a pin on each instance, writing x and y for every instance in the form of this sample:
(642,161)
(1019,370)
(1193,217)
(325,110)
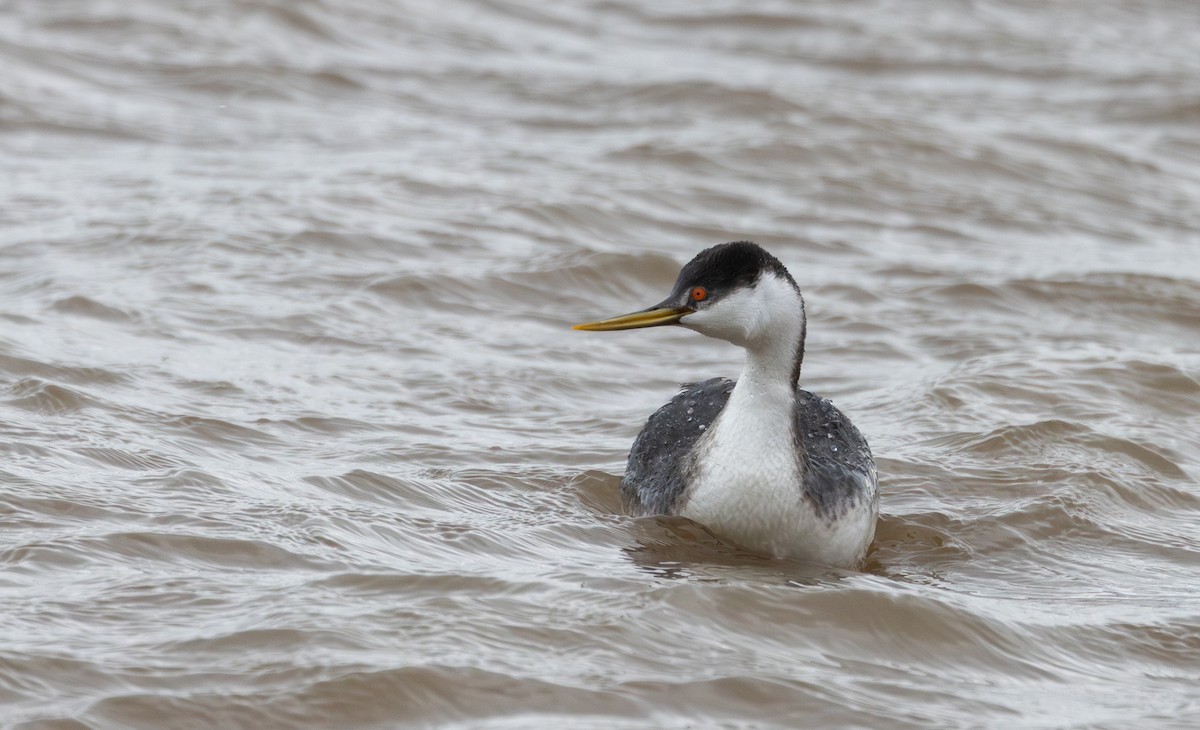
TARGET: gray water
(294,432)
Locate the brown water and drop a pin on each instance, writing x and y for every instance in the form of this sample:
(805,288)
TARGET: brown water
(295,434)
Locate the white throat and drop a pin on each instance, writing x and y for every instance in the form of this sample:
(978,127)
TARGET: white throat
(766,320)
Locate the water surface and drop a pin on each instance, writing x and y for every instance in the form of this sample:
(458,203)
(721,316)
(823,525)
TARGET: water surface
(295,433)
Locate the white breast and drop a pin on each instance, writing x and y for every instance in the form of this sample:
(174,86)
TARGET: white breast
(747,486)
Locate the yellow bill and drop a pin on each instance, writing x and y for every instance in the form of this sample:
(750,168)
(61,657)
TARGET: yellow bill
(634,320)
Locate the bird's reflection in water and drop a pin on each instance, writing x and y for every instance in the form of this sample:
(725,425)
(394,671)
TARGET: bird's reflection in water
(909,548)
(678,548)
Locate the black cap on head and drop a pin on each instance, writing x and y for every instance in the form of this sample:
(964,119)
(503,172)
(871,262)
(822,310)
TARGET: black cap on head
(728,266)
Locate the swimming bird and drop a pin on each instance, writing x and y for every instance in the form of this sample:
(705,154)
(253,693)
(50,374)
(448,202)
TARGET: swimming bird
(760,462)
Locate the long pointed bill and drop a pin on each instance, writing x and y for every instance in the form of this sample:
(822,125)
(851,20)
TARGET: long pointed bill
(646,318)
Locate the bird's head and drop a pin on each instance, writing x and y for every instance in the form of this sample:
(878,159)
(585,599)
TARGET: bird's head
(737,292)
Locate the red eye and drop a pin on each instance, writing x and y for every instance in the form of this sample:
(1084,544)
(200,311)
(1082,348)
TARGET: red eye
(698,294)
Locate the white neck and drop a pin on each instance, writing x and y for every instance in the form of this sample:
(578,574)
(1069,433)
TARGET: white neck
(747,477)
(765,393)
(768,322)
(771,363)
(748,481)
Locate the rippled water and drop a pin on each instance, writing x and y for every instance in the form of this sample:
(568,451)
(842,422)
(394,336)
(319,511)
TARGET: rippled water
(295,432)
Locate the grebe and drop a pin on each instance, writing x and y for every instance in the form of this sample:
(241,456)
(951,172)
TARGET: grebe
(759,461)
